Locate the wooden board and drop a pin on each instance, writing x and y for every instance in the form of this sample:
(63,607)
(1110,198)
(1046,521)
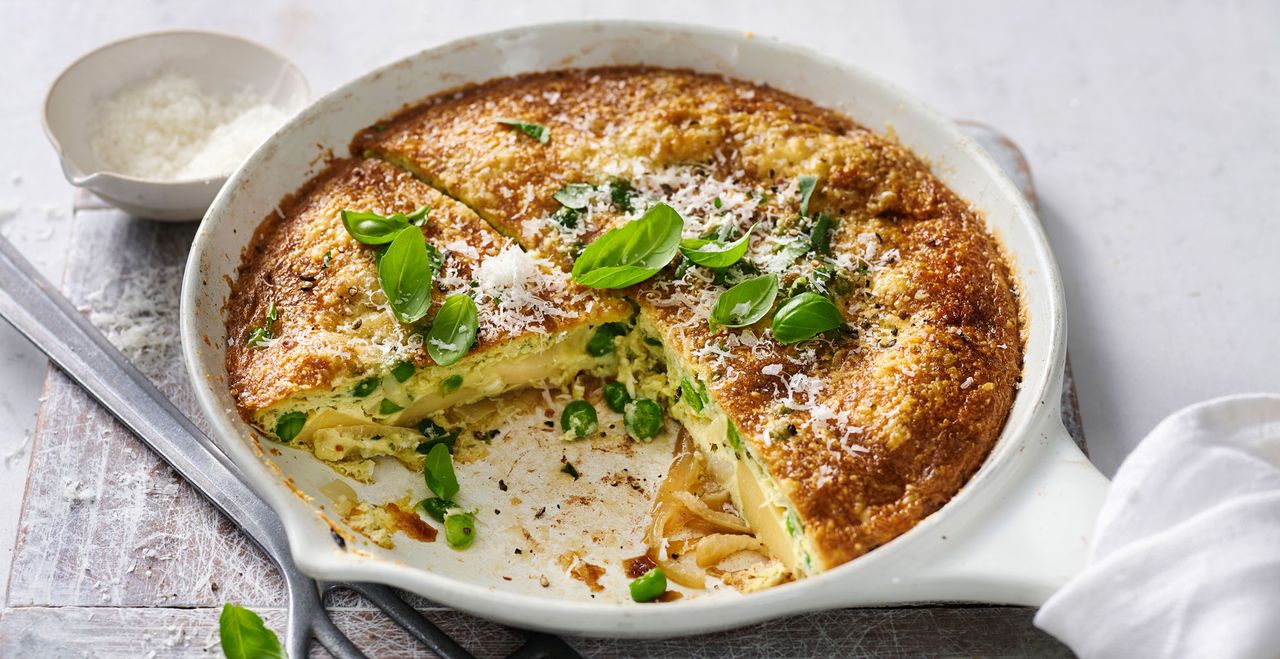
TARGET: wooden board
(117,557)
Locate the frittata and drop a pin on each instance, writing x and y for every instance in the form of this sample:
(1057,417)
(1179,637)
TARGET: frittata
(838,332)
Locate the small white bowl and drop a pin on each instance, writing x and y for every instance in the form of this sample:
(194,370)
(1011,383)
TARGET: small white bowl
(222,64)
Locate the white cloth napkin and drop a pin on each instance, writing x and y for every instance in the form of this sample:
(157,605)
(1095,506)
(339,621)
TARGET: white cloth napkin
(1186,560)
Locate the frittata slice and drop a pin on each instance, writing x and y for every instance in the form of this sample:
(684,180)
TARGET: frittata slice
(315,356)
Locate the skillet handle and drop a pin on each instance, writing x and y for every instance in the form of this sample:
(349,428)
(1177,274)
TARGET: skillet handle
(1034,536)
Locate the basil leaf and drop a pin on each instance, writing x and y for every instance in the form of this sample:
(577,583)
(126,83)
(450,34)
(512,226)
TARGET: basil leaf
(437,470)
(453,330)
(715,254)
(536,131)
(374,229)
(575,195)
(633,252)
(244,636)
(820,236)
(804,317)
(745,303)
(807,184)
(405,271)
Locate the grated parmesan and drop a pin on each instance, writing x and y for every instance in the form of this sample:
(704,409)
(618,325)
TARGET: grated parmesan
(168,128)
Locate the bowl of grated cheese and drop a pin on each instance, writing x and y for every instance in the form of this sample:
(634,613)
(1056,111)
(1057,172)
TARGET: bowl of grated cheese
(155,124)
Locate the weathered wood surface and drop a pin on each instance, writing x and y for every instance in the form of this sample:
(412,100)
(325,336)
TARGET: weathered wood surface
(117,557)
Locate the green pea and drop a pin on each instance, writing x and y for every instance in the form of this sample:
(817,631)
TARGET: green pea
(438,472)
(365,387)
(601,342)
(579,418)
(649,586)
(460,530)
(616,396)
(436,507)
(289,425)
(644,418)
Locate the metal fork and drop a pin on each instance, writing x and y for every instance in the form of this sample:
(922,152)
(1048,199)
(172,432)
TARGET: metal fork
(36,309)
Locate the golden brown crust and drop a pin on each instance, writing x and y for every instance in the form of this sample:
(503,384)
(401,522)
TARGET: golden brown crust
(866,430)
(333,321)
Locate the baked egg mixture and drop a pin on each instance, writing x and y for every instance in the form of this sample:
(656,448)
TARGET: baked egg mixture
(768,337)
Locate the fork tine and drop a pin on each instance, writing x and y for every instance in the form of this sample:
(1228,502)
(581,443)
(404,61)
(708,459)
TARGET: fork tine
(410,619)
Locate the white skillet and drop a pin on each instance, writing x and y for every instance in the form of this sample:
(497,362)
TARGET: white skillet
(1013,534)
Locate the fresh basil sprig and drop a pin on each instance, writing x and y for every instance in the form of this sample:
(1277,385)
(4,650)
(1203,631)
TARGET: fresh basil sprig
(405,272)
(575,195)
(536,131)
(633,252)
(805,316)
(438,472)
(745,303)
(374,229)
(245,636)
(716,254)
(807,184)
(453,330)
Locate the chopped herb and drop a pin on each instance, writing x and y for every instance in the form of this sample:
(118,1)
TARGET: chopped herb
(450,384)
(402,371)
(717,203)
(792,250)
(649,340)
(601,342)
(807,184)
(490,435)
(259,337)
(388,407)
(566,217)
(575,195)
(649,586)
(436,507)
(328,256)
(695,399)
(616,396)
(633,252)
(435,434)
(820,236)
(579,419)
(245,636)
(805,316)
(454,330)
(289,425)
(735,440)
(745,303)
(438,472)
(643,418)
(460,530)
(620,193)
(568,469)
(536,131)
(794,525)
(365,387)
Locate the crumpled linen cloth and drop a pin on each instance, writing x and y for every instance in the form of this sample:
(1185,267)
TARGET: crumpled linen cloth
(1186,557)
